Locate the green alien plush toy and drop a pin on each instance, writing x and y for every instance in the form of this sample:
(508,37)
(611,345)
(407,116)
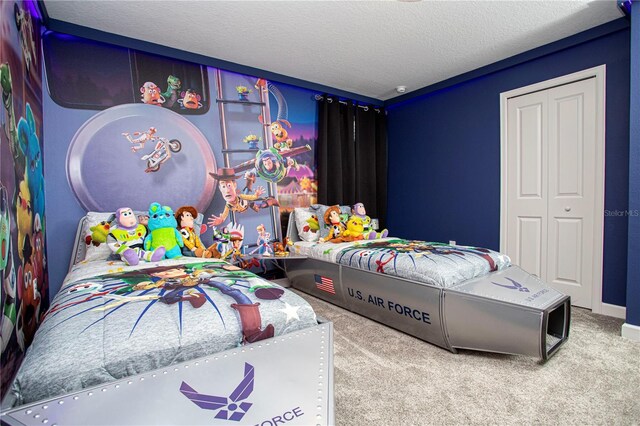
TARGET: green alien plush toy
(162,231)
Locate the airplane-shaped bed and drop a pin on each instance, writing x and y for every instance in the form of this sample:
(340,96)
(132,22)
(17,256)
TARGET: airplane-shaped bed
(456,297)
(177,341)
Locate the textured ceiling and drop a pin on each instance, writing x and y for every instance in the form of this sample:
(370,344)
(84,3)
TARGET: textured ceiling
(364,47)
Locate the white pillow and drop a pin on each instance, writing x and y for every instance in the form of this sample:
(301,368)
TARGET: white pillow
(101,252)
(304,231)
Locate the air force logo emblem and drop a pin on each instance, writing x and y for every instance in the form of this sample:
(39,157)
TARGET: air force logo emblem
(515,285)
(231,407)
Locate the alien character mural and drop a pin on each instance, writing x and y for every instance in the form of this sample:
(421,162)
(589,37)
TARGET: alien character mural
(23,261)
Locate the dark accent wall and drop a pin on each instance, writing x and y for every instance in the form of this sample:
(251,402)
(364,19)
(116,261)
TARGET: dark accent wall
(444,154)
(633,257)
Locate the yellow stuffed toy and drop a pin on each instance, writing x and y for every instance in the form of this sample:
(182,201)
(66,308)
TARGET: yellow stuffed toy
(355,229)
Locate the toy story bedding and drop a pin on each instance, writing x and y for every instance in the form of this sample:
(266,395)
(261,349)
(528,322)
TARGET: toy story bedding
(344,235)
(432,263)
(110,320)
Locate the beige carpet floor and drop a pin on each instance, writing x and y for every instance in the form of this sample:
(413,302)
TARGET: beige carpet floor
(385,377)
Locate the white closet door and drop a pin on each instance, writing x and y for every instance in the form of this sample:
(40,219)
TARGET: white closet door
(572,162)
(527,182)
(551,186)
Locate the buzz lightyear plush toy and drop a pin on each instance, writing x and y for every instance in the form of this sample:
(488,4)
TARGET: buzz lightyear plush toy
(126,239)
(162,231)
(369,233)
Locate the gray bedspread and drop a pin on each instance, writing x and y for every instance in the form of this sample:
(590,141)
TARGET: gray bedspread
(125,321)
(427,262)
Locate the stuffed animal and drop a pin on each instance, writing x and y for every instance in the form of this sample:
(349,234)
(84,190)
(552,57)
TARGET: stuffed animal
(336,227)
(312,224)
(369,233)
(162,231)
(262,244)
(236,237)
(193,247)
(220,239)
(354,230)
(126,239)
(280,248)
(98,234)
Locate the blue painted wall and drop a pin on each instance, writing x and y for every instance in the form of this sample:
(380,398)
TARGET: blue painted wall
(444,154)
(633,256)
(62,122)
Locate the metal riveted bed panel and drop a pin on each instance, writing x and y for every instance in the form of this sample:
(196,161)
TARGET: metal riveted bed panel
(415,310)
(509,311)
(285,380)
(305,273)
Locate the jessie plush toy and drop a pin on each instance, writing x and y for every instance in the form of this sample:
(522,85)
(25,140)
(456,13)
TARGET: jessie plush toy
(185,216)
(336,227)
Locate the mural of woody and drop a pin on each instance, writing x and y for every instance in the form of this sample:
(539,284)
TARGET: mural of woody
(235,201)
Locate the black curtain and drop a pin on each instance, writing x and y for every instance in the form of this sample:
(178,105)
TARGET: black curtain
(352,156)
(371,161)
(336,152)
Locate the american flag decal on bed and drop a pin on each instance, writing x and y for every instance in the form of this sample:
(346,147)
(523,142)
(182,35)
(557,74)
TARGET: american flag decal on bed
(324,284)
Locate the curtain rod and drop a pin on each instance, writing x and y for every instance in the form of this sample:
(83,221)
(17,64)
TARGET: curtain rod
(365,107)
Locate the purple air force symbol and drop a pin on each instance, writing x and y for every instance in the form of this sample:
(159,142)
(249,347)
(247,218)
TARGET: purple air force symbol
(516,285)
(230,408)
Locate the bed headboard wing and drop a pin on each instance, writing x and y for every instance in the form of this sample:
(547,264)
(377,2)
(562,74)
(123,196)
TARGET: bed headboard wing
(79,246)
(292,230)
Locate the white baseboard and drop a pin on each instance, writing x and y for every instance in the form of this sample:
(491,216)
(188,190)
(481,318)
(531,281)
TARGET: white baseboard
(613,310)
(631,332)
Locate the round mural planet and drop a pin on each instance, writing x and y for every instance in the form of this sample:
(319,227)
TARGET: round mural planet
(135,154)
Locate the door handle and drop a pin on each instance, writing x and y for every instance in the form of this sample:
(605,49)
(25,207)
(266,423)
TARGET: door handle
(567,209)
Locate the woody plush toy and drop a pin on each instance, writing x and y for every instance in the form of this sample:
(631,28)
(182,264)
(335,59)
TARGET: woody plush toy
(336,227)
(193,247)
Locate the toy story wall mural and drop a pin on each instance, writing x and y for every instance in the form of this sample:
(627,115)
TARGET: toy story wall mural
(233,153)
(23,256)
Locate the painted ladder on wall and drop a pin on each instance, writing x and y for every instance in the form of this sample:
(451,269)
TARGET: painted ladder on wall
(267,141)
